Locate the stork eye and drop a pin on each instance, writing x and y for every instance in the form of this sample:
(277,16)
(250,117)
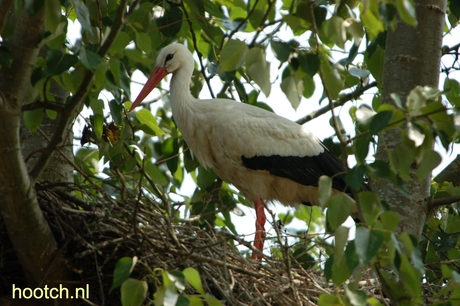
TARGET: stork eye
(169,57)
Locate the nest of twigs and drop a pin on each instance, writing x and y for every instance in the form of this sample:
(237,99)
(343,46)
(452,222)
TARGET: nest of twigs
(95,234)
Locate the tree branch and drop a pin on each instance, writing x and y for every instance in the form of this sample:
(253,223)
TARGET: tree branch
(340,102)
(246,19)
(43,104)
(72,108)
(195,44)
(443,201)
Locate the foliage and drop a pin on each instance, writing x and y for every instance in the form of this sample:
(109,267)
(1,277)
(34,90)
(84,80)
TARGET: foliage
(143,152)
(134,292)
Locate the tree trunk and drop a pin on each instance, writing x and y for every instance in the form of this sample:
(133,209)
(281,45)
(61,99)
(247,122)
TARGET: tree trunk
(60,168)
(27,228)
(412,57)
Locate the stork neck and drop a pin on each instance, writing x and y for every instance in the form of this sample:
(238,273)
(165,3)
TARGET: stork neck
(180,97)
(180,88)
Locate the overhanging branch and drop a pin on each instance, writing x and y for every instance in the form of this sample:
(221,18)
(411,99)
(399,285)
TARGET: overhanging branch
(443,201)
(339,102)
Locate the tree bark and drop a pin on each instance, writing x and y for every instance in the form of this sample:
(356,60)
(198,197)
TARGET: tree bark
(60,168)
(412,57)
(28,230)
(450,173)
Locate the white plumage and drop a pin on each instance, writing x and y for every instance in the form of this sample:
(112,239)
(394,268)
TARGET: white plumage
(265,156)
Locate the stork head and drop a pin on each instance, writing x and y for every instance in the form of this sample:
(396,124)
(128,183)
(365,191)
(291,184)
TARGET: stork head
(170,59)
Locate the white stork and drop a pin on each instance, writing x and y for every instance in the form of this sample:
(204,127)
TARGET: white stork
(265,156)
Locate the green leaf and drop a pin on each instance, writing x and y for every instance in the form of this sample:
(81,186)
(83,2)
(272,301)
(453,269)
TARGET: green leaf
(356,297)
(327,299)
(33,118)
(339,208)
(156,175)
(123,269)
(334,31)
(309,62)
(418,98)
(149,123)
(232,55)
(380,121)
(370,206)
(387,12)
(88,159)
(82,14)
(258,69)
(177,278)
(98,122)
(363,116)
(170,150)
(362,147)
(401,159)
(167,295)
(454,7)
(97,106)
(212,301)
(193,278)
(195,301)
(406,10)
(351,258)
(52,14)
(340,272)
(205,177)
(367,243)
(332,79)
(143,42)
(281,50)
(324,190)
(370,18)
(133,292)
(190,162)
(116,110)
(89,59)
(171,22)
(431,160)
(355,177)
(390,220)
(444,242)
(119,44)
(57,62)
(297,25)
(451,89)
(340,240)
(375,63)
(308,86)
(410,277)
(292,87)
(51,114)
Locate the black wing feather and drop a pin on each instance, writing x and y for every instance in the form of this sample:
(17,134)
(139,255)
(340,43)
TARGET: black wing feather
(304,170)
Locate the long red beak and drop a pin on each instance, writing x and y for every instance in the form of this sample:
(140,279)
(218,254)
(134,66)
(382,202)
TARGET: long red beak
(158,74)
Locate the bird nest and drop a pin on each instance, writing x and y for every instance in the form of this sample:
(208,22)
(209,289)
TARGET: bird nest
(95,235)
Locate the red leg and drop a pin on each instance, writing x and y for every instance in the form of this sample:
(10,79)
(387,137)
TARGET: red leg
(259,238)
